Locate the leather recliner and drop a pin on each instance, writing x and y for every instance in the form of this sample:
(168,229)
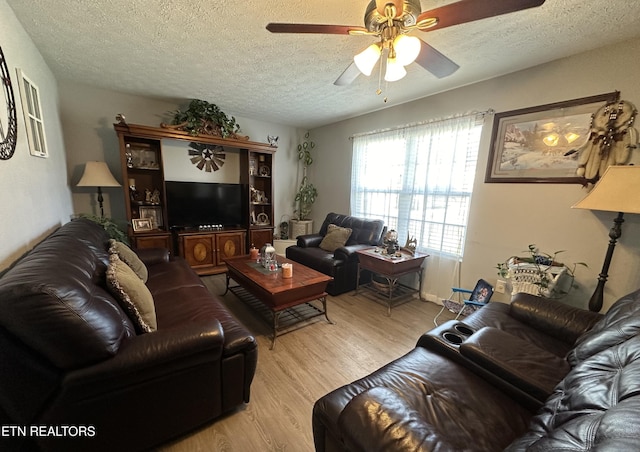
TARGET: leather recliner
(341,264)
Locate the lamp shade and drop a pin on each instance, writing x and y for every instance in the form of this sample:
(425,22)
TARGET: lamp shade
(618,190)
(97,174)
(367,59)
(407,49)
(395,71)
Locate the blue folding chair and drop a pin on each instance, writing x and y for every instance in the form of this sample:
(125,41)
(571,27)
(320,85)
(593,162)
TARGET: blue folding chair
(478,297)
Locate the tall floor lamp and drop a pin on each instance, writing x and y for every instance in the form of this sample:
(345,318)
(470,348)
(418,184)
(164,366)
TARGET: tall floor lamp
(618,190)
(97,174)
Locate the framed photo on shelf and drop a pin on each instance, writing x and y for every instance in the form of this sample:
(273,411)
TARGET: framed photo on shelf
(541,144)
(153,213)
(144,158)
(141,224)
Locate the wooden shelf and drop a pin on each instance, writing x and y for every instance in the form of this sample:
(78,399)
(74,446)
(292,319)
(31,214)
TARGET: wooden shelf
(159,133)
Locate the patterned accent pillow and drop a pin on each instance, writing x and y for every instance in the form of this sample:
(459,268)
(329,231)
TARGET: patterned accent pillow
(335,238)
(129,257)
(132,294)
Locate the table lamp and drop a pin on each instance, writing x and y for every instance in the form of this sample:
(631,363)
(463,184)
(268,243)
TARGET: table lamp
(97,174)
(618,190)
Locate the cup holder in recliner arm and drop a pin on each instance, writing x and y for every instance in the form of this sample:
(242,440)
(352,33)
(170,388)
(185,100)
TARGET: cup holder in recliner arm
(452,337)
(447,337)
(463,329)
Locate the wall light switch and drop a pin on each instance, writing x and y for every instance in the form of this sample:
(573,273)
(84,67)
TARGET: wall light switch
(501,286)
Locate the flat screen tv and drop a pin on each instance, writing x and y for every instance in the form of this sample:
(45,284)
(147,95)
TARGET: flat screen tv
(193,204)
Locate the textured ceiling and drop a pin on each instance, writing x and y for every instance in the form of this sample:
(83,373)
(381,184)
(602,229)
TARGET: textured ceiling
(219,51)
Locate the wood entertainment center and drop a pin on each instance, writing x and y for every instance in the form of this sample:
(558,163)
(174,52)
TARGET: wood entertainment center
(206,246)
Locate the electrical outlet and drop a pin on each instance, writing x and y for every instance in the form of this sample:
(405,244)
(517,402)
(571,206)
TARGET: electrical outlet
(501,286)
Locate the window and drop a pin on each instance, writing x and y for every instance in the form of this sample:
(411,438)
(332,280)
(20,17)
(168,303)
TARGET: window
(418,180)
(34,125)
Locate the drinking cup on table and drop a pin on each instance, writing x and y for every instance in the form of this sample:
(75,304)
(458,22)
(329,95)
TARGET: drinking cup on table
(287,270)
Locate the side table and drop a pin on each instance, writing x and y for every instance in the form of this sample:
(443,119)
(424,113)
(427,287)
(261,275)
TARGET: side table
(390,268)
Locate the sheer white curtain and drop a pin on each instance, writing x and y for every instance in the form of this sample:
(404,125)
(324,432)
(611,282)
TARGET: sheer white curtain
(418,179)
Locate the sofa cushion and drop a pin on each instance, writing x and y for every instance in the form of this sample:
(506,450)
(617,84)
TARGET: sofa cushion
(336,237)
(594,408)
(65,312)
(129,257)
(133,295)
(460,410)
(621,323)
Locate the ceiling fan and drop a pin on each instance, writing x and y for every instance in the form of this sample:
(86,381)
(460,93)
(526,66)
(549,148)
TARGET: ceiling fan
(391,21)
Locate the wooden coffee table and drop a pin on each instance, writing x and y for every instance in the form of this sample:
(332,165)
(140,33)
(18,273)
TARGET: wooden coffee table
(280,296)
(391,268)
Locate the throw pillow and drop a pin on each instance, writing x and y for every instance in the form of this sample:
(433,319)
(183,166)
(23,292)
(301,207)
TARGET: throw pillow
(335,238)
(132,294)
(129,257)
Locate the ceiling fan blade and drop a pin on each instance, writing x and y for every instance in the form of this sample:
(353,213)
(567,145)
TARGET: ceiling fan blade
(435,62)
(315,28)
(470,10)
(381,4)
(348,76)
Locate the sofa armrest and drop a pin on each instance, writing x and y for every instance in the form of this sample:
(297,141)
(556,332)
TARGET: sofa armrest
(555,318)
(381,419)
(348,253)
(515,360)
(154,355)
(151,256)
(309,240)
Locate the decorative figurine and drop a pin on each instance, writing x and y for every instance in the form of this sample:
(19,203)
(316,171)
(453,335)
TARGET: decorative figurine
(391,241)
(155,197)
(273,141)
(411,245)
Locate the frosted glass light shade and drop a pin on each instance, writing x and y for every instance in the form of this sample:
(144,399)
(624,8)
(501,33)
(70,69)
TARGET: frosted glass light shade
(395,71)
(407,49)
(367,59)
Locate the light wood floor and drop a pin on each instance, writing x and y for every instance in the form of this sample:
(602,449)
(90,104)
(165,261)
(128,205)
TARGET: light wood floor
(306,364)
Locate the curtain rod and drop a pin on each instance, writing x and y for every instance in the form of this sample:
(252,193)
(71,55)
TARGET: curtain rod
(422,123)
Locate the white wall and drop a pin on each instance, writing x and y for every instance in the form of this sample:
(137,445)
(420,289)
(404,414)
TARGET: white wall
(34,196)
(506,218)
(88,115)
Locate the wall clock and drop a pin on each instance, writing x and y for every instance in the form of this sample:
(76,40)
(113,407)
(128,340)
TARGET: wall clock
(8,122)
(206,157)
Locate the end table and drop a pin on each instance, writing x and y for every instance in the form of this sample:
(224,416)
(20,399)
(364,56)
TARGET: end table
(391,268)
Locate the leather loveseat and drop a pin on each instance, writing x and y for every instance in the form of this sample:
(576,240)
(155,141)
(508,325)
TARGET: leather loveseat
(76,375)
(342,263)
(535,375)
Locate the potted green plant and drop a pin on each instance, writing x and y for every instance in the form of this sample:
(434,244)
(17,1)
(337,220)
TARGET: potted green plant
(539,273)
(204,118)
(114,231)
(307,192)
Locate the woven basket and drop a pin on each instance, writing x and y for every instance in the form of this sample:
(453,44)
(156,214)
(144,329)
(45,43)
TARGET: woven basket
(526,278)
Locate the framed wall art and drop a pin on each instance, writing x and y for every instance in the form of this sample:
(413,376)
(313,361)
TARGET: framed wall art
(541,144)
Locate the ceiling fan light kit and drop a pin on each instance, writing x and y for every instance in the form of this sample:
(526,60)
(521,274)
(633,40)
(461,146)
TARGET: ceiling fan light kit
(407,49)
(392,20)
(367,59)
(395,71)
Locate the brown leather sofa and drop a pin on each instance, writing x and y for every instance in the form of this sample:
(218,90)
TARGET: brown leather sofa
(341,264)
(535,375)
(71,361)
